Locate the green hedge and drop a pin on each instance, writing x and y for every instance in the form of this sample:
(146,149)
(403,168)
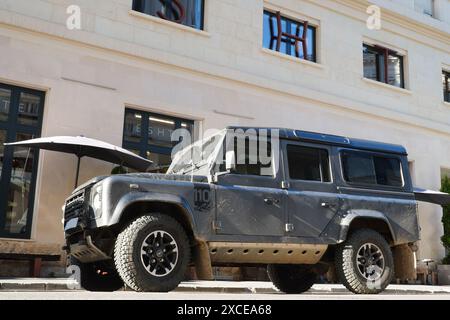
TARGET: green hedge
(445,187)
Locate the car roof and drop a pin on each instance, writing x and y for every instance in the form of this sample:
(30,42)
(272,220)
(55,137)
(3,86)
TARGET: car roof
(330,139)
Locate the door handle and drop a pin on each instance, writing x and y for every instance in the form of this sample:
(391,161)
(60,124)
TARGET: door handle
(271,201)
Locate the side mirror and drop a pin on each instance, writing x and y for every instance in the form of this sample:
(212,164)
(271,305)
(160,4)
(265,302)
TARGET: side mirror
(230,161)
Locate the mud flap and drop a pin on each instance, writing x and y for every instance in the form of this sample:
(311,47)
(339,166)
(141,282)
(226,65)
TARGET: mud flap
(202,262)
(404,263)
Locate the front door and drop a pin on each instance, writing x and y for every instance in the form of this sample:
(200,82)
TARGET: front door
(250,201)
(311,196)
(249,205)
(20,119)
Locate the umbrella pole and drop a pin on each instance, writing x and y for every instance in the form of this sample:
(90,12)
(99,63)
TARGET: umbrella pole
(78,172)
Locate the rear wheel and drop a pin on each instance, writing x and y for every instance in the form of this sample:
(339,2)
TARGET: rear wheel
(291,278)
(364,262)
(98,276)
(152,253)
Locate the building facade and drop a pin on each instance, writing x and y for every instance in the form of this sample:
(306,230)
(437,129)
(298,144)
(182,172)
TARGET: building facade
(130,72)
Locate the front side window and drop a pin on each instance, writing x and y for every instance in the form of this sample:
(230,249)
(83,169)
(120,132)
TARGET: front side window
(383,65)
(446,85)
(288,36)
(310,164)
(364,168)
(186,12)
(248,156)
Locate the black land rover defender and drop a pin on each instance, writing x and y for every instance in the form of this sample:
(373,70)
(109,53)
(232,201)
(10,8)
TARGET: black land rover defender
(323,203)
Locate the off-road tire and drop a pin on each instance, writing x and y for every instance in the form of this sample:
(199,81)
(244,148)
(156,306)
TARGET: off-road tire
(127,254)
(291,279)
(346,267)
(98,276)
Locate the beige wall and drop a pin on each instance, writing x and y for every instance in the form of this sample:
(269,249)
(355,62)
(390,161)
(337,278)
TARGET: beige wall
(121,59)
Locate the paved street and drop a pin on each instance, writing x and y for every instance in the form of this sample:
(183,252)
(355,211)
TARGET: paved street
(57,289)
(189,296)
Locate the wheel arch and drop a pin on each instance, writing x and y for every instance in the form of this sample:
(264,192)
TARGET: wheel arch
(174,207)
(374,220)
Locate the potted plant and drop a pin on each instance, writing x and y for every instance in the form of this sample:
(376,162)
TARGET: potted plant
(444,268)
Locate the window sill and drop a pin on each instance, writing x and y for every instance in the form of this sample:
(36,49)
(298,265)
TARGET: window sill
(168,23)
(446,104)
(387,86)
(293,59)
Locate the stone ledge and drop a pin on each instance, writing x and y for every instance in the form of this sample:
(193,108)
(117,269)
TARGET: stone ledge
(28,247)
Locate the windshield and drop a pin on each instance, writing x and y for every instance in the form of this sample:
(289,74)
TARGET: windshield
(196,157)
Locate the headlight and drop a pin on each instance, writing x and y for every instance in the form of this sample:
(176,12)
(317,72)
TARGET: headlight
(96,200)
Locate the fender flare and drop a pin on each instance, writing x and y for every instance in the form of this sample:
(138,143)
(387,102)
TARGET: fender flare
(362,213)
(134,197)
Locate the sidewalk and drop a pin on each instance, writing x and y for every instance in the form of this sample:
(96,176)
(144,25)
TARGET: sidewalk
(63,284)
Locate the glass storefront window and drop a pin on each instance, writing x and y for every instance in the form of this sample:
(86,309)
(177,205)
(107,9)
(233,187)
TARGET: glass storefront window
(150,136)
(5,101)
(20,119)
(133,125)
(19,188)
(28,112)
(160,131)
(2,149)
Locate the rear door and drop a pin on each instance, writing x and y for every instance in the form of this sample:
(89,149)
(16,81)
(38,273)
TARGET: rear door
(311,195)
(375,185)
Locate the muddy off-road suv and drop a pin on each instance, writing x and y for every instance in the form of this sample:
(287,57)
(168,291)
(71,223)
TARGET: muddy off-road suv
(301,204)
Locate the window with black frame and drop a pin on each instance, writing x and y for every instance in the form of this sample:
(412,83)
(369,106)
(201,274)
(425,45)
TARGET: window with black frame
(187,12)
(308,164)
(150,136)
(446,85)
(369,169)
(21,112)
(288,36)
(383,65)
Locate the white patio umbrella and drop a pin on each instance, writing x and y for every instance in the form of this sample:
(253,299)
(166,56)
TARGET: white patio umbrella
(87,147)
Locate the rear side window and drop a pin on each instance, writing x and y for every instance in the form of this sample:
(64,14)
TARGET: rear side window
(307,163)
(358,168)
(362,168)
(388,171)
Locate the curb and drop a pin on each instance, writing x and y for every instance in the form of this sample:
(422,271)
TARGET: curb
(207,287)
(225,290)
(38,285)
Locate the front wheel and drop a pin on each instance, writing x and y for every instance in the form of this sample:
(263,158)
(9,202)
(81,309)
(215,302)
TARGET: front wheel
(291,279)
(152,253)
(364,262)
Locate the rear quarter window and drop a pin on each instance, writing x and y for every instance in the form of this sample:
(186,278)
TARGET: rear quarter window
(369,169)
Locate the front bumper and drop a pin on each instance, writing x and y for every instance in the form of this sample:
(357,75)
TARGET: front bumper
(86,251)
(80,236)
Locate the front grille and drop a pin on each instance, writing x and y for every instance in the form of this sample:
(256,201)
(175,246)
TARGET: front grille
(75,206)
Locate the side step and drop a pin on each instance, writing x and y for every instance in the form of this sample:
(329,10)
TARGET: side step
(265,253)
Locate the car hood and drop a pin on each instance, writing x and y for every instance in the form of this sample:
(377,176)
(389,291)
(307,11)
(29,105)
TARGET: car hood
(153,176)
(169,177)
